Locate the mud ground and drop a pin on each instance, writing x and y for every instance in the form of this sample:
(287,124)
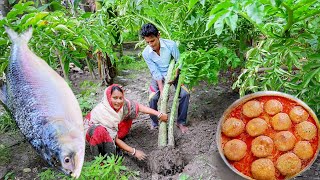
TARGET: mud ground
(197,148)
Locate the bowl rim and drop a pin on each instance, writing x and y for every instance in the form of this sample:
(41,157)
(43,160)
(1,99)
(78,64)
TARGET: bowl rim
(249,97)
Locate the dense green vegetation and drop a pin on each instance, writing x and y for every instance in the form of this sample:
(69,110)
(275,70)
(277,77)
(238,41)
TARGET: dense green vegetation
(100,168)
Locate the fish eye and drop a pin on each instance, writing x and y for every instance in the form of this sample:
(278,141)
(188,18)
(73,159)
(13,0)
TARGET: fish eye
(67,160)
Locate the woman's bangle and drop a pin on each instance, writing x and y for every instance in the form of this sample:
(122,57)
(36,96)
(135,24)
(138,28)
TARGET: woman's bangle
(159,115)
(134,152)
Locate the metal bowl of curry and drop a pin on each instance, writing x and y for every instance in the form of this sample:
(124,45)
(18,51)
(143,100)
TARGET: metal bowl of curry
(268,135)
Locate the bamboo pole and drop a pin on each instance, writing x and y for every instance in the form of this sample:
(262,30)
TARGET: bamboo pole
(173,112)
(162,137)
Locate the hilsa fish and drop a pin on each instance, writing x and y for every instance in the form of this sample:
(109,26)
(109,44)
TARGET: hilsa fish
(44,107)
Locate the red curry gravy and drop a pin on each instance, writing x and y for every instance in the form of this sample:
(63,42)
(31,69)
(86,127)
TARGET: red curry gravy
(244,165)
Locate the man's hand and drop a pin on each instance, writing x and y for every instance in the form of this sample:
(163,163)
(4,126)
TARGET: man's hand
(176,77)
(175,80)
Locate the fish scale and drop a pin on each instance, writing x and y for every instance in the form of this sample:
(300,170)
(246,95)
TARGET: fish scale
(44,107)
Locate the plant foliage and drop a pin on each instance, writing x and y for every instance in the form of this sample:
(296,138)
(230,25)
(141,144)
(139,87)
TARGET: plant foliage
(109,167)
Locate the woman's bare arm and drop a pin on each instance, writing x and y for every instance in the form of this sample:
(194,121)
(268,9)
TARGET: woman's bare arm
(133,151)
(147,110)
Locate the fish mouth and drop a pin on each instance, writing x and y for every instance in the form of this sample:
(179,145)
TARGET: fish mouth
(75,175)
(68,172)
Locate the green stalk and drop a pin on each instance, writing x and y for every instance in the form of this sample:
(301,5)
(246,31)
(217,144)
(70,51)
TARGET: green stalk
(162,137)
(62,64)
(174,112)
(290,19)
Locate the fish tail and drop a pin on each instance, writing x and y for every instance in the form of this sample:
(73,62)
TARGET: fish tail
(14,37)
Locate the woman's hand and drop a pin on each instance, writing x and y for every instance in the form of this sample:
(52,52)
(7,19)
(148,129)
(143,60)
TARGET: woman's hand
(140,155)
(163,117)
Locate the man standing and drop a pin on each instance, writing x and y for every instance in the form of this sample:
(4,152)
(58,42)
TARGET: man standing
(157,55)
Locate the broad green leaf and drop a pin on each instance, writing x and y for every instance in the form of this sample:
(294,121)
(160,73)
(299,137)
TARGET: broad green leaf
(63,28)
(3,41)
(11,1)
(221,6)
(43,7)
(232,21)
(218,26)
(311,66)
(35,19)
(192,3)
(202,2)
(86,15)
(309,76)
(81,42)
(255,12)
(215,17)
(276,3)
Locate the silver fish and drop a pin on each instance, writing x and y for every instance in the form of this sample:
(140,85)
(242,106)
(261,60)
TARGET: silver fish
(44,107)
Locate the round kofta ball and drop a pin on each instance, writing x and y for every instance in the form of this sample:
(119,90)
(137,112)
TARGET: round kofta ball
(306,130)
(303,150)
(298,114)
(288,164)
(262,146)
(235,149)
(263,169)
(233,127)
(256,127)
(273,107)
(281,121)
(252,109)
(284,140)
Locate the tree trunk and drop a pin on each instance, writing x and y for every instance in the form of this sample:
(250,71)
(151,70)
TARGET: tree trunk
(173,112)
(162,137)
(89,65)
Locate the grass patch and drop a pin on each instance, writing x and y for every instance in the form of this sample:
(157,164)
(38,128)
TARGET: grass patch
(7,123)
(5,155)
(87,96)
(110,168)
(131,63)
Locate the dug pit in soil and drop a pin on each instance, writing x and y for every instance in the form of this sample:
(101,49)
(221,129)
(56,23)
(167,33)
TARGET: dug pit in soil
(166,161)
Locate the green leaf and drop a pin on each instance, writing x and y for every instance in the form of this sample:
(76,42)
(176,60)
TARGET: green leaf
(221,6)
(3,41)
(34,20)
(63,28)
(86,15)
(11,1)
(43,7)
(232,21)
(202,2)
(215,17)
(276,3)
(81,42)
(309,76)
(192,3)
(255,12)
(218,26)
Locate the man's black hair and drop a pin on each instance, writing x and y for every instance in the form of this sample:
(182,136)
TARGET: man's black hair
(149,30)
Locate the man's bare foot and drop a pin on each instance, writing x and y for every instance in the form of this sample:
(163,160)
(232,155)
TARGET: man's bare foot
(183,128)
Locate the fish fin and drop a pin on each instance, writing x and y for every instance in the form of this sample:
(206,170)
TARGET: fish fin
(26,36)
